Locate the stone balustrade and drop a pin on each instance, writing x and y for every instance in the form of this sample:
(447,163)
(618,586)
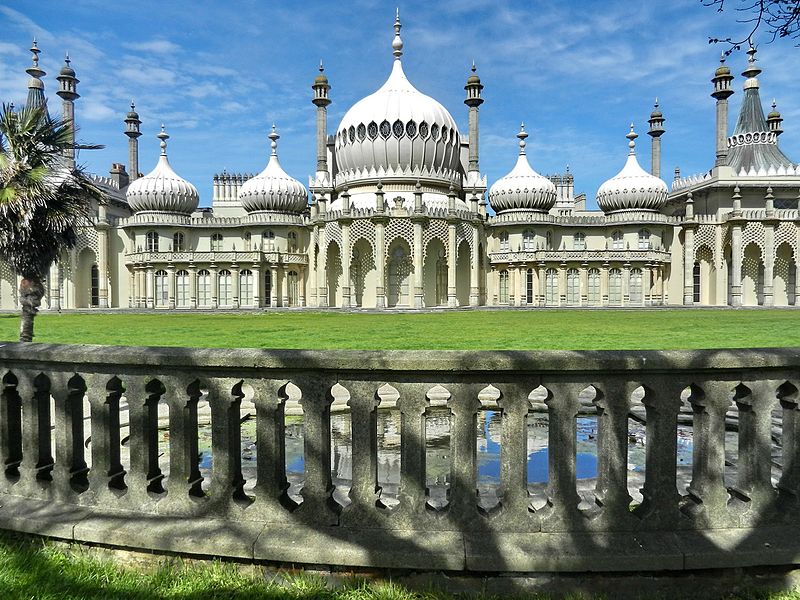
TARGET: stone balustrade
(55,484)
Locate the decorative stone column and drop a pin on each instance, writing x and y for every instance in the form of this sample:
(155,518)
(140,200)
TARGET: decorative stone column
(604,284)
(688,252)
(475,268)
(769,261)
(102,257)
(192,286)
(256,269)
(512,285)
(346,260)
(171,285)
(214,286)
(562,284)
(647,299)
(322,282)
(312,269)
(54,282)
(522,286)
(380,262)
(301,285)
(419,300)
(235,284)
(273,291)
(452,256)
(285,286)
(542,285)
(131,287)
(151,288)
(626,284)
(584,284)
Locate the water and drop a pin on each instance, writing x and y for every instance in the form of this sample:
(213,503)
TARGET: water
(438,455)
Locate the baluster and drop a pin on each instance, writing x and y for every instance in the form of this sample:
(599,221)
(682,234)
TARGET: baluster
(364,491)
(561,512)
(10,431)
(412,404)
(318,505)
(106,473)
(611,492)
(272,501)
(515,501)
(69,472)
(227,482)
(709,498)
(464,405)
(182,395)
(37,458)
(145,476)
(753,491)
(789,484)
(660,497)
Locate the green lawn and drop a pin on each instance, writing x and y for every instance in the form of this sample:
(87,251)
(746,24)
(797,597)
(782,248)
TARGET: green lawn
(478,330)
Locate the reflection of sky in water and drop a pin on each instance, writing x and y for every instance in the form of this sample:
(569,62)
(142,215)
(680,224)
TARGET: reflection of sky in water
(438,455)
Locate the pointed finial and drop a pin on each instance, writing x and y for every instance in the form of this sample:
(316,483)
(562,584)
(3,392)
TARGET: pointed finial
(133,106)
(722,58)
(752,70)
(397,43)
(522,135)
(774,104)
(655,105)
(35,51)
(163,136)
(274,137)
(321,67)
(66,58)
(632,135)
(474,68)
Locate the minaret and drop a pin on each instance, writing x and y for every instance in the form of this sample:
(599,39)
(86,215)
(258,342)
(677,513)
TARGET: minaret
(656,130)
(774,120)
(321,101)
(722,91)
(473,101)
(68,91)
(36,97)
(132,130)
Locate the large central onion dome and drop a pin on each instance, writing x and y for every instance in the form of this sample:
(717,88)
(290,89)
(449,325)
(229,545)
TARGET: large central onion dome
(162,190)
(523,188)
(632,188)
(397,131)
(273,190)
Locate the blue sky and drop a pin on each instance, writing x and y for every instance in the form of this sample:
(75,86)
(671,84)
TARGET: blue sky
(219,73)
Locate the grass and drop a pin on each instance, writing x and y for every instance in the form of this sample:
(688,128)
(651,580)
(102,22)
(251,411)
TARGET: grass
(457,330)
(33,568)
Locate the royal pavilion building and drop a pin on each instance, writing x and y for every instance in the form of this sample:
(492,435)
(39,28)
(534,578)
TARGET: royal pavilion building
(398,216)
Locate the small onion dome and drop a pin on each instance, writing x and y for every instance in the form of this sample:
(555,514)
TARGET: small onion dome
(272,189)
(722,69)
(67,70)
(162,190)
(321,79)
(474,77)
(774,114)
(632,188)
(523,188)
(133,114)
(656,114)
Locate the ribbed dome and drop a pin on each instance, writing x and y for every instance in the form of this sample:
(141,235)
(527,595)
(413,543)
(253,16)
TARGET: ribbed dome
(272,189)
(523,188)
(162,190)
(397,131)
(632,188)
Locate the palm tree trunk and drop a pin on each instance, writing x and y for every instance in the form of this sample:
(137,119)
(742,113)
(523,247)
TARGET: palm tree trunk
(31,292)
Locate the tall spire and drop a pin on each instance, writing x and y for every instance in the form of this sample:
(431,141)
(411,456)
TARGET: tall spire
(68,92)
(521,136)
(163,136)
(36,97)
(632,135)
(273,143)
(133,131)
(397,43)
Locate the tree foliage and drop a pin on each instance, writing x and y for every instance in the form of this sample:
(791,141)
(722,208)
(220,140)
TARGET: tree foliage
(775,18)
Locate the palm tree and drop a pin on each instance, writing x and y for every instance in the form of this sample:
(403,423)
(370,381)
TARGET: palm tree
(42,201)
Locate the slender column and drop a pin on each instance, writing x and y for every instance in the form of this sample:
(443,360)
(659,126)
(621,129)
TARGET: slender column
(301,285)
(285,286)
(214,286)
(736,265)
(688,267)
(346,258)
(584,284)
(273,292)
(102,258)
(626,284)
(192,286)
(322,283)
(151,299)
(512,285)
(171,285)
(475,266)
(769,263)
(235,283)
(256,269)
(312,272)
(380,263)
(604,285)
(542,285)
(131,288)
(562,285)
(452,253)
(646,285)
(418,295)
(522,284)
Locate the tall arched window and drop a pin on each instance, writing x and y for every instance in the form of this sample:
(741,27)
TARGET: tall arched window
(152,241)
(503,296)
(644,239)
(162,288)
(216,242)
(504,241)
(573,287)
(529,286)
(178,244)
(204,288)
(528,240)
(224,297)
(268,287)
(95,291)
(593,293)
(268,240)
(696,283)
(616,241)
(551,287)
(635,289)
(246,288)
(615,287)
(293,290)
(579,241)
(248,241)
(182,296)
(292,240)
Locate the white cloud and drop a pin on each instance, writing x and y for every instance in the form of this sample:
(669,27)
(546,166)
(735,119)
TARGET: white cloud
(155,46)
